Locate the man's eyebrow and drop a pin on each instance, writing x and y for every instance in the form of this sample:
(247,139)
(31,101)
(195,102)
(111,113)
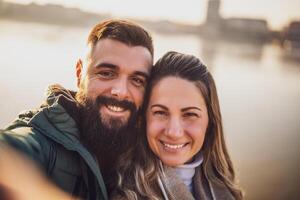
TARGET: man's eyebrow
(139,73)
(106,65)
(189,108)
(159,105)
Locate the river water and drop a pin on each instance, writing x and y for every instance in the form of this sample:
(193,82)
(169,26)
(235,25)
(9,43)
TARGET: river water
(258,86)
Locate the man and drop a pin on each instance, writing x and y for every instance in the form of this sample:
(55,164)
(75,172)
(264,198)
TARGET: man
(74,135)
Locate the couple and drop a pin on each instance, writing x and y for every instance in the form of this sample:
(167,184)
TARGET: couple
(132,131)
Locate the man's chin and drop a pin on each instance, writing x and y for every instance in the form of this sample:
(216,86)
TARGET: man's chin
(113,124)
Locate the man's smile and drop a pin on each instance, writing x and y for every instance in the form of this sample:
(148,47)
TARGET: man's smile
(114,111)
(115,108)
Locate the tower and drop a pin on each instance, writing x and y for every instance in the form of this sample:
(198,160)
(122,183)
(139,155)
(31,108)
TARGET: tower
(213,17)
(1,6)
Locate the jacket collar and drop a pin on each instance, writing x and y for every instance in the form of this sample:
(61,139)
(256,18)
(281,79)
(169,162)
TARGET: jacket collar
(204,189)
(174,186)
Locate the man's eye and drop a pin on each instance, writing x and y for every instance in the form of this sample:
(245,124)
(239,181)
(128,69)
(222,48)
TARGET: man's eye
(139,82)
(106,74)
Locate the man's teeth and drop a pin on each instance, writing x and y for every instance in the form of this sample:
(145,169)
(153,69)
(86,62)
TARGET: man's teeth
(116,108)
(173,146)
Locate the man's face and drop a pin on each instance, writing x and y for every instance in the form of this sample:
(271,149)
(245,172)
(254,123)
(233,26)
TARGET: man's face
(117,73)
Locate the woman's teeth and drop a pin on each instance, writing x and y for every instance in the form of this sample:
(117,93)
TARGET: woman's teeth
(173,146)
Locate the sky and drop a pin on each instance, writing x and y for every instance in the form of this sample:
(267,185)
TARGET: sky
(278,13)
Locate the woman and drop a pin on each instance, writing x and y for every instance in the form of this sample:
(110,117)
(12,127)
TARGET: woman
(187,156)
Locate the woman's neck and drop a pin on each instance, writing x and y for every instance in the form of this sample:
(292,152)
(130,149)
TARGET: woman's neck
(186,171)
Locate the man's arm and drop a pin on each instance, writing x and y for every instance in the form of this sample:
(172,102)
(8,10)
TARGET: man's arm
(26,142)
(20,179)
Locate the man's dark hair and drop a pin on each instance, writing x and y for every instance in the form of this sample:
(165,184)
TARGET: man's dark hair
(123,31)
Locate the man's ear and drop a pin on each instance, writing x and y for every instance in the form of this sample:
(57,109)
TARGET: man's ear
(79,71)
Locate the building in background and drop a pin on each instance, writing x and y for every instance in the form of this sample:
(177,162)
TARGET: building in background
(233,28)
(213,18)
(290,40)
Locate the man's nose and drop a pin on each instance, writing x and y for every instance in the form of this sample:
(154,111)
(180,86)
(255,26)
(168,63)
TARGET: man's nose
(174,129)
(120,90)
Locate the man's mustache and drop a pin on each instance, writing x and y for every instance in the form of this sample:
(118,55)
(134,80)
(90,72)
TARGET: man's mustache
(104,100)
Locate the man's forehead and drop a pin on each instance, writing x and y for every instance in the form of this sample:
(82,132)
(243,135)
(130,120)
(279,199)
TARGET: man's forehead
(111,45)
(123,56)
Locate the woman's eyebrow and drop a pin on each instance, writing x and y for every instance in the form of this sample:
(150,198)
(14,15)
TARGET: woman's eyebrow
(159,105)
(191,107)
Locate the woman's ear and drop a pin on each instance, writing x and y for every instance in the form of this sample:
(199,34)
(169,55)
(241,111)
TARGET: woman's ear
(79,71)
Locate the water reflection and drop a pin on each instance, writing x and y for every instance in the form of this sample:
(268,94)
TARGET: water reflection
(258,85)
(210,49)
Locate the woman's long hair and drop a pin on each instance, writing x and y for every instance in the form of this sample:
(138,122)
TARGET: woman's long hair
(137,179)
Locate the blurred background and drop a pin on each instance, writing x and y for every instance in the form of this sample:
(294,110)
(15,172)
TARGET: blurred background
(252,48)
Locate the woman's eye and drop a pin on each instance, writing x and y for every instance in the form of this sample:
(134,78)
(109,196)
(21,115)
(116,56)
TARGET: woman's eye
(190,115)
(159,113)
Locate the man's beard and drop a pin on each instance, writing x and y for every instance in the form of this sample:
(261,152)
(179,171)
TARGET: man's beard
(108,138)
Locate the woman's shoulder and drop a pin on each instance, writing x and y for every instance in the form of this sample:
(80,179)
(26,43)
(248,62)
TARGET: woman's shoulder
(205,188)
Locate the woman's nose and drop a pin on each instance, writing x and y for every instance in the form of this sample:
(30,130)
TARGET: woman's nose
(175,129)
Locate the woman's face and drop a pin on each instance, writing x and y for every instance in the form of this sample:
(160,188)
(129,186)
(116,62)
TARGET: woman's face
(177,120)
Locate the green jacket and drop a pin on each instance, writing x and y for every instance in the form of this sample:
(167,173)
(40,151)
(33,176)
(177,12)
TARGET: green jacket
(49,135)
